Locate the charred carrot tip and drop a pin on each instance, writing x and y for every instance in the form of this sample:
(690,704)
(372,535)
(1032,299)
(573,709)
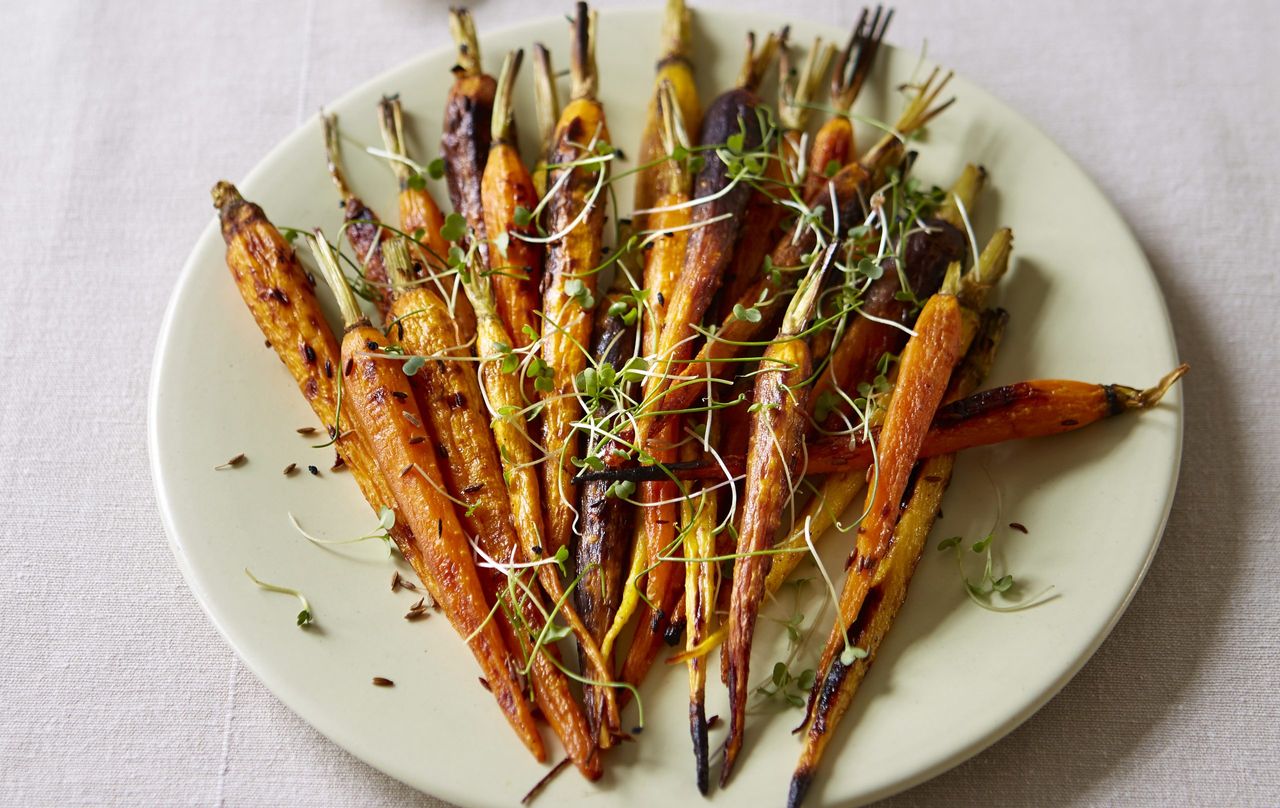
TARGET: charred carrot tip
(800,782)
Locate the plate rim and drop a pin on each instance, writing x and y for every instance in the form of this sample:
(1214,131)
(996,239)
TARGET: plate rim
(292,698)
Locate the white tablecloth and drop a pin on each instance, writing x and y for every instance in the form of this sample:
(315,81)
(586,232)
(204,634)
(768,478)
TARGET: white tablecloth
(115,689)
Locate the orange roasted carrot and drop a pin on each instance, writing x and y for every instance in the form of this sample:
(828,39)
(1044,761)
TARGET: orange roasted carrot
(895,571)
(385,412)
(923,371)
(418,208)
(575,219)
(834,145)
(1031,409)
(281,297)
(507,195)
(777,436)
(420,216)
(448,394)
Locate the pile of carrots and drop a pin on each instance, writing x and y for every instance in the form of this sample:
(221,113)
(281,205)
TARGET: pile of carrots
(594,439)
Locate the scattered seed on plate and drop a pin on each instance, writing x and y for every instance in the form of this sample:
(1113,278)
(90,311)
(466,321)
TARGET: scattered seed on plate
(238,460)
(291,469)
(396,581)
(1018,526)
(484,683)
(411,418)
(315,472)
(306,430)
(382,681)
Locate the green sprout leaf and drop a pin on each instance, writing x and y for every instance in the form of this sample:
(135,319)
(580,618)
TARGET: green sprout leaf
(455,227)
(414,364)
(850,654)
(751,315)
(304,616)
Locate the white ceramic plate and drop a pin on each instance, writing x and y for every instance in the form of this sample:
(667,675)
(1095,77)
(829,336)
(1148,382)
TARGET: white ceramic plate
(951,678)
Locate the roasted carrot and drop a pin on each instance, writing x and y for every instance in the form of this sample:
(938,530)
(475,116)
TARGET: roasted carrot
(421,218)
(872,334)
(1031,409)
(418,208)
(762,219)
(468,115)
(505,396)
(448,394)
(605,521)
(821,514)
(923,370)
(890,586)
(701,584)
(663,260)
(834,145)
(777,436)
(281,297)
(514,261)
(382,406)
(575,218)
(849,188)
(674,69)
(361,224)
(721,197)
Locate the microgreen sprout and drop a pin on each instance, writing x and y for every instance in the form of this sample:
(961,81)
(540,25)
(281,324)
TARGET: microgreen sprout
(386,521)
(304,617)
(982,590)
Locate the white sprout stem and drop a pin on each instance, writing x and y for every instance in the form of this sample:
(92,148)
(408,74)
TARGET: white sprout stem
(968,228)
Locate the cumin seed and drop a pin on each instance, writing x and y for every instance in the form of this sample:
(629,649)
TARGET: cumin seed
(382,681)
(291,469)
(395,581)
(1018,526)
(238,460)
(411,418)
(306,430)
